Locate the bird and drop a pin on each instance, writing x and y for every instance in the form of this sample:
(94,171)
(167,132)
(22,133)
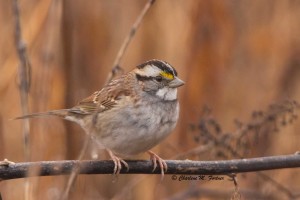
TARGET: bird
(131,114)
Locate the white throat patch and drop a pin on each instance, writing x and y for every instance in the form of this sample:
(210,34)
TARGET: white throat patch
(166,93)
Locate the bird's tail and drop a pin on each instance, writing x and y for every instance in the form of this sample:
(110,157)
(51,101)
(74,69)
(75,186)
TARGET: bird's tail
(60,113)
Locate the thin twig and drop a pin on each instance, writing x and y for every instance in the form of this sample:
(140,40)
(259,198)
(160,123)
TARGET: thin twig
(236,194)
(279,186)
(75,170)
(24,74)
(24,83)
(128,188)
(274,113)
(115,70)
(116,65)
(222,167)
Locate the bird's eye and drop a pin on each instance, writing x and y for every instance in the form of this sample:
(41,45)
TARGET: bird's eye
(158,78)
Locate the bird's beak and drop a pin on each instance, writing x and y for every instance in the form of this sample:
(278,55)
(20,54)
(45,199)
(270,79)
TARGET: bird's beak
(175,83)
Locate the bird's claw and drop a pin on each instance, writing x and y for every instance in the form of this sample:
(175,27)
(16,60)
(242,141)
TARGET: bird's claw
(162,164)
(118,163)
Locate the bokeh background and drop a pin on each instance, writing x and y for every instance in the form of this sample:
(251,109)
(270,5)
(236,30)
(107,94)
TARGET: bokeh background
(235,57)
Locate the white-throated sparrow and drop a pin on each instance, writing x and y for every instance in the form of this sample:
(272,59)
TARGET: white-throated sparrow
(131,114)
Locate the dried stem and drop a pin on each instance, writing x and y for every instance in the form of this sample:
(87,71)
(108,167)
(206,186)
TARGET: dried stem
(262,123)
(24,83)
(115,70)
(24,74)
(279,186)
(116,65)
(75,170)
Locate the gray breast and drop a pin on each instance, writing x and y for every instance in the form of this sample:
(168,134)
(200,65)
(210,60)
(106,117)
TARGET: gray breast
(137,128)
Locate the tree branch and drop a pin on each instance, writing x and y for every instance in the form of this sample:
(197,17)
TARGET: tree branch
(50,168)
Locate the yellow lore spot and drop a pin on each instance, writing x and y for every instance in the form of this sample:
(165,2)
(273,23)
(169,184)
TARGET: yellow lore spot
(167,75)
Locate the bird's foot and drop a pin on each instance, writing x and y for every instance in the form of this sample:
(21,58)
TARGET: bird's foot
(162,164)
(118,163)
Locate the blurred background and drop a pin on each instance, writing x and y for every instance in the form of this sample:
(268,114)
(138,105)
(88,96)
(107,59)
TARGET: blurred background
(236,57)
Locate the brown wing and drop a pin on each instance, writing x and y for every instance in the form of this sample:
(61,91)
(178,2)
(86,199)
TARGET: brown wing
(104,99)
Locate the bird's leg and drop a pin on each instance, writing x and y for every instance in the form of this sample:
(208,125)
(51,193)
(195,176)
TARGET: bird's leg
(162,164)
(117,161)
